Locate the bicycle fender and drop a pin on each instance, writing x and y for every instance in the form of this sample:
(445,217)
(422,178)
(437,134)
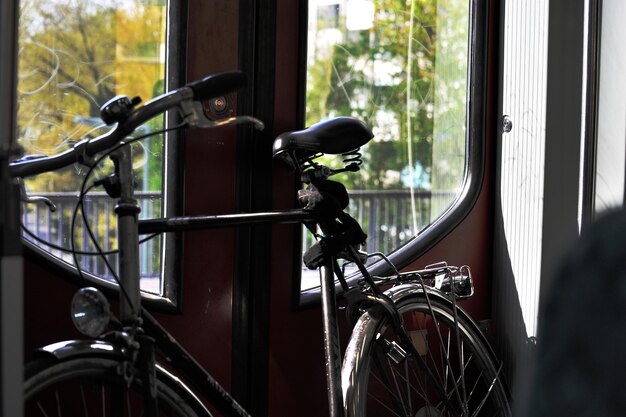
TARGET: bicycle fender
(71,349)
(405,290)
(78,348)
(402,291)
(366,332)
(399,292)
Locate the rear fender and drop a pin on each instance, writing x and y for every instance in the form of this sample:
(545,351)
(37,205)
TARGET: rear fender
(365,333)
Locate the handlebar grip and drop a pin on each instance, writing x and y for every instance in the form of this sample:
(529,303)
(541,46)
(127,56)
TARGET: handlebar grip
(217,85)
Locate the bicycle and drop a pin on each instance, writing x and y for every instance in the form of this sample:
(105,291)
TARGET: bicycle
(412,352)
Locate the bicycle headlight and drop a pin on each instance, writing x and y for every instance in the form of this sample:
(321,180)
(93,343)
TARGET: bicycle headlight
(90,311)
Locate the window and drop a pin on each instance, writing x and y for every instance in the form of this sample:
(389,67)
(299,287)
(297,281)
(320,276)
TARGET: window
(610,164)
(403,68)
(74,55)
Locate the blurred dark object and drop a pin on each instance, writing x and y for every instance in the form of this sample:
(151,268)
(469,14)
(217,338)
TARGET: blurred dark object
(581,351)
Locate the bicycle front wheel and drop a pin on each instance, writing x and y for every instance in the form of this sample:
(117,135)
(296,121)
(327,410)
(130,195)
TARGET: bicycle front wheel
(92,386)
(449,370)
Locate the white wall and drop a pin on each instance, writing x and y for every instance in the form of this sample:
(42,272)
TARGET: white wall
(522,149)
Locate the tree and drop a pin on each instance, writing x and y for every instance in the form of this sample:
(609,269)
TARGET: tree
(366,76)
(74,55)
(394,77)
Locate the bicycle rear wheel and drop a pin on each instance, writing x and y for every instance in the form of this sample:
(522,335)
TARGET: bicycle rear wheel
(91,386)
(453,374)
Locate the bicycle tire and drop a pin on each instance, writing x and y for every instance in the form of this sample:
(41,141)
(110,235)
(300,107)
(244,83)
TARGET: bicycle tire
(374,385)
(90,386)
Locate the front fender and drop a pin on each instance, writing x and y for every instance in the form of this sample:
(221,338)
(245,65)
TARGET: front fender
(80,348)
(73,349)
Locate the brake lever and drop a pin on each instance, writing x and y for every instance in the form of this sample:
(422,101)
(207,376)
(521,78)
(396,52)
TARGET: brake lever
(235,120)
(25,198)
(193,115)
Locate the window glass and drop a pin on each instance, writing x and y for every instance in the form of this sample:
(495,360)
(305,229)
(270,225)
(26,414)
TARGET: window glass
(74,55)
(610,180)
(402,67)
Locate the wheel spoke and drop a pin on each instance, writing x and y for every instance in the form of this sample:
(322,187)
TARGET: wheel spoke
(408,387)
(103,401)
(440,338)
(488,393)
(41,409)
(451,373)
(451,392)
(385,383)
(471,393)
(384,405)
(130,414)
(420,390)
(395,381)
(461,352)
(92,387)
(423,389)
(56,395)
(84,401)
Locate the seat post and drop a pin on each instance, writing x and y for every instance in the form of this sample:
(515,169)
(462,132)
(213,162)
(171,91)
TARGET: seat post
(332,349)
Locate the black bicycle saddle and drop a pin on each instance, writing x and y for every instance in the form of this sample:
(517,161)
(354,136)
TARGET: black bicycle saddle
(335,136)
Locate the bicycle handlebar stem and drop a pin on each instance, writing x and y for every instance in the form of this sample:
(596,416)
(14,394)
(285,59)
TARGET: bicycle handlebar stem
(127,211)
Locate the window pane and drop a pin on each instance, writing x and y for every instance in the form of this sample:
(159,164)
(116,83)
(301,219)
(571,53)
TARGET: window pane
(74,55)
(610,179)
(402,67)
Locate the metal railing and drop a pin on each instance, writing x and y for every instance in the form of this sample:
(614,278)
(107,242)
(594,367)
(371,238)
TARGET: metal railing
(54,227)
(390,219)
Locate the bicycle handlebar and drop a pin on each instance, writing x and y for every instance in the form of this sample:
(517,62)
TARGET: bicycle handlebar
(208,87)
(217,85)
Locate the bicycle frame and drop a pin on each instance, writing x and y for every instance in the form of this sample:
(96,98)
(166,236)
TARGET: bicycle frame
(147,333)
(129,228)
(212,391)
(121,186)
(189,366)
(133,346)
(143,331)
(332,352)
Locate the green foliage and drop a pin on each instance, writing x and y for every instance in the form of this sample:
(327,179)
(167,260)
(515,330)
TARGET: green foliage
(396,77)
(384,76)
(74,55)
